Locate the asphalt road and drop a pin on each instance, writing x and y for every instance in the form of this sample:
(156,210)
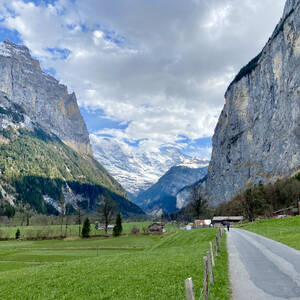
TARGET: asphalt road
(261,268)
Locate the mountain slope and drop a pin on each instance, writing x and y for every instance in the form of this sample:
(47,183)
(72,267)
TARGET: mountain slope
(36,166)
(161,197)
(257,137)
(44,100)
(136,169)
(184,195)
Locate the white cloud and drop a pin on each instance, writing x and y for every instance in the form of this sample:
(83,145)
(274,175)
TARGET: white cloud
(163,66)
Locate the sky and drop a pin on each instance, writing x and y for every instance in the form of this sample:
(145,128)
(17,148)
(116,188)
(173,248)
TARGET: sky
(148,73)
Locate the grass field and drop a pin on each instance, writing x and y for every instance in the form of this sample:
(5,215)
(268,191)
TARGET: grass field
(286,231)
(57,230)
(127,267)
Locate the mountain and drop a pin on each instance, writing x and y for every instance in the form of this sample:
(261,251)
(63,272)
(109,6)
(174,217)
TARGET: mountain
(184,195)
(43,99)
(136,169)
(160,198)
(46,160)
(257,137)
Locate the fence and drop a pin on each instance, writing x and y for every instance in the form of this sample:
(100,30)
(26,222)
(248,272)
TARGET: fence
(208,265)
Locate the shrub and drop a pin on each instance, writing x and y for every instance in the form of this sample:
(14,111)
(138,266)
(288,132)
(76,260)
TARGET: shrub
(135,230)
(145,230)
(18,233)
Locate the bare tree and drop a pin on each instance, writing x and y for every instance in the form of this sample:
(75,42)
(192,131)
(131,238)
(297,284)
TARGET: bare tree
(67,219)
(62,212)
(77,207)
(106,209)
(199,204)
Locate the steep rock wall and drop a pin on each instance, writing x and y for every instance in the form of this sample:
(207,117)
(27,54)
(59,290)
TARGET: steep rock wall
(45,100)
(257,137)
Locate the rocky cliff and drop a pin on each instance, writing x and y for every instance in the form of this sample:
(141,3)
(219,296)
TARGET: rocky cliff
(43,98)
(46,163)
(257,137)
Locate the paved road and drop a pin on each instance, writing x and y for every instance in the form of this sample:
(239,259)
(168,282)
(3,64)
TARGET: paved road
(261,268)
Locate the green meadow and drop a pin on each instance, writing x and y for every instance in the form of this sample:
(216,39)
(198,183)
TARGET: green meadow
(58,230)
(126,267)
(286,230)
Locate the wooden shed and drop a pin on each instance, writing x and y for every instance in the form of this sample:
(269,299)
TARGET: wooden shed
(218,220)
(156,227)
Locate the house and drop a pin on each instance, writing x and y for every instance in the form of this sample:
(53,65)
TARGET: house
(207,222)
(199,223)
(156,227)
(202,223)
(218,220)
(188,227)
(109,227)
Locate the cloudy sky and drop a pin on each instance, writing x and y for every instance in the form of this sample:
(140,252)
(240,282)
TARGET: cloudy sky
(149,73)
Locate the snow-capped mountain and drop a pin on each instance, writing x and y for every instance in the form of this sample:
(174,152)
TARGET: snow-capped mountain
(135,168)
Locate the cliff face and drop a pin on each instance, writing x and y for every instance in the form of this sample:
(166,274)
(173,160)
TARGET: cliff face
(40,127)
(257,137)
(45,100)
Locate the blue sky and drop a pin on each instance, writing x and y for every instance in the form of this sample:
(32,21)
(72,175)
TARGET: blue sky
(152,71)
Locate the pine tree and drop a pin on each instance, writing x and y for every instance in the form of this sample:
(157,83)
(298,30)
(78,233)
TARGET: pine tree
(86,228)
(18,233)
(118,227)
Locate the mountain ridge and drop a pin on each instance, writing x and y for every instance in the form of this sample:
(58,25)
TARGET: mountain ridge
(138,170)
(161,198)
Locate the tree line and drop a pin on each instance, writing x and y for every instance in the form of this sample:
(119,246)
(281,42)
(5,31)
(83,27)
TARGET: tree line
(262,200)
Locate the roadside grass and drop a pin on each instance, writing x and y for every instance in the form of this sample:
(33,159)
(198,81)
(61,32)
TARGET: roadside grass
(138,267)
(221,289)
(286,230)
(57,230)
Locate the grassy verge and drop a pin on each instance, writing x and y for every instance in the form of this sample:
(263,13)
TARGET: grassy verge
(128,267)
(221,289)
(286,231)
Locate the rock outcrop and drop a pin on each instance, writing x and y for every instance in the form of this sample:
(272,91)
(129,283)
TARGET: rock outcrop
(257,137)
(43,98)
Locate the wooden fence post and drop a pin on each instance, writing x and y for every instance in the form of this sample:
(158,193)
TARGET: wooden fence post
(209,267)
(205,281)
(189,289)
(216,250)
(211,254)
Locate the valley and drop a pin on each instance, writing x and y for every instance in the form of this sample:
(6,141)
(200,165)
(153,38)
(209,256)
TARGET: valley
(151,185)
